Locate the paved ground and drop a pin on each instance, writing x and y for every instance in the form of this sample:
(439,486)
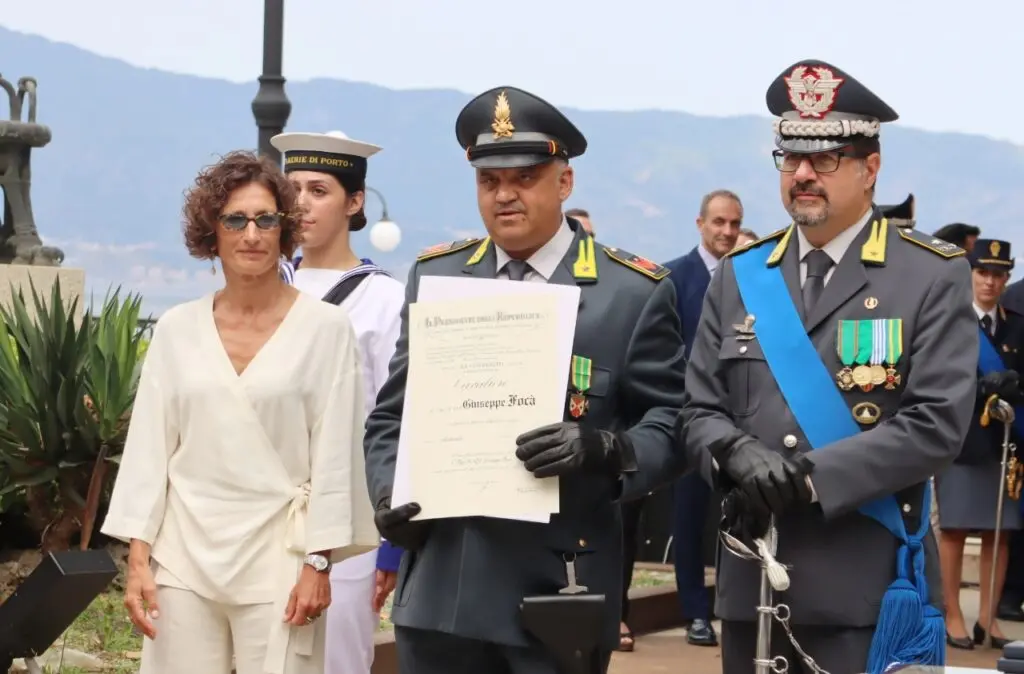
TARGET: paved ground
(669,652)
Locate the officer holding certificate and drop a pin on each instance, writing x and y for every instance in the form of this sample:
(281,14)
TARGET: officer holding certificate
(833,373)
(462,580)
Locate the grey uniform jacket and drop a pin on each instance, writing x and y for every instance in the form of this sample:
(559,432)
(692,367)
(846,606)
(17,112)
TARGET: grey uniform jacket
(472,574)
(841,561)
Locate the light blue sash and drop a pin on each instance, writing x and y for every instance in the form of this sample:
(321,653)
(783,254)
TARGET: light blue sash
(909,630)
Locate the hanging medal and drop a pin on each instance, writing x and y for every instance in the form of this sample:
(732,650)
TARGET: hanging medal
(893,331)
(846,350)
(878,344)
(862,349)
(580,373)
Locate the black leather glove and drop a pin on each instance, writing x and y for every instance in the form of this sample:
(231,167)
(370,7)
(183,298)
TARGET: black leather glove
(567,447)
(1004,384)
(769,480)
(742,519)
(396,527)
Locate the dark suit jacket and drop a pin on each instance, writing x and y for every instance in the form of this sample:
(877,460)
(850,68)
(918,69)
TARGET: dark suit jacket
(984,444)
(1013,297)
(691,278)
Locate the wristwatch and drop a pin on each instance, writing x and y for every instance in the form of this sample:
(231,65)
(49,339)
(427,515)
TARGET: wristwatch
(319,563)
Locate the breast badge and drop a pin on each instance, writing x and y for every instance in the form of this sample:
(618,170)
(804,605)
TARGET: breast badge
(869,351)
(867,414)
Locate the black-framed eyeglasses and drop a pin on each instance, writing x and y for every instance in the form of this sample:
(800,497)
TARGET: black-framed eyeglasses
(821,162)
(239,221)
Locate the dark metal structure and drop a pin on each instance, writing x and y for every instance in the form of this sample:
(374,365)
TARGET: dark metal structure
(271,107)
(19,240)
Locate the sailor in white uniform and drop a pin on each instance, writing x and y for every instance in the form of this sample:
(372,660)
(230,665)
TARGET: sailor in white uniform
(329,173)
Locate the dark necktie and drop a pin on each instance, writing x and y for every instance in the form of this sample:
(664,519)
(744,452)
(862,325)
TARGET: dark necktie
(986,324)
(818,264)
(516,269)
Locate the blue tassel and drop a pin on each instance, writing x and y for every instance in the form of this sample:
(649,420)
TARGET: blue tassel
(900,621)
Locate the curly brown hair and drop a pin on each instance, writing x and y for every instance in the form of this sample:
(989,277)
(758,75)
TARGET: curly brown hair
(212,189)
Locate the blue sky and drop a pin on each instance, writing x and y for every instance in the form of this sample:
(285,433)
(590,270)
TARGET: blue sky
(942,65)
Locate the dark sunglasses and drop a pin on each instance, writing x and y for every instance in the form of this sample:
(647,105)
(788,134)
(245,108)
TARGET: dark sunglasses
(239,221)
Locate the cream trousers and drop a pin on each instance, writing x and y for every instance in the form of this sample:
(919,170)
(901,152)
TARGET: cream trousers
(196,635)
(351,621)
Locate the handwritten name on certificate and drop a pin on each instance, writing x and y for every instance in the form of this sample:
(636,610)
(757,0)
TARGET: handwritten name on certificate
(481,372)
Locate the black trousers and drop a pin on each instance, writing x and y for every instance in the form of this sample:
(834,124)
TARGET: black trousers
(837,650)
(1013,589)
(631,512)
(430,652)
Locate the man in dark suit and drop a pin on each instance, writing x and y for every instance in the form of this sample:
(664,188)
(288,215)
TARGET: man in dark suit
(719,224)
(462,580)
(1012,600)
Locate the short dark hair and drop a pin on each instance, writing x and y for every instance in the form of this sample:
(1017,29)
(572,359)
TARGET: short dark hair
(711,196)
(957,233)
(577,213)
(750,233)
(212,189)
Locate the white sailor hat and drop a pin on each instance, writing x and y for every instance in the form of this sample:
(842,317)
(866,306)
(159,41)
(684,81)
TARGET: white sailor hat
(331,152)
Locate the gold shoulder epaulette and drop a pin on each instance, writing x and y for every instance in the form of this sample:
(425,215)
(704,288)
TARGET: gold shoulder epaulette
(445,249)
(636,263)
(929,242)
(754,244)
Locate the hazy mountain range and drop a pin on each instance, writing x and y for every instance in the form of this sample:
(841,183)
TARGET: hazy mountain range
(128,140)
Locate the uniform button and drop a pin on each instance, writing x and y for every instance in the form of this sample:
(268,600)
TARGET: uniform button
(789,441)
(906,507)
(743,349)
(583,543)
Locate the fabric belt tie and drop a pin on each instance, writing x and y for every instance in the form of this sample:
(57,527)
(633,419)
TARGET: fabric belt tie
(282,634)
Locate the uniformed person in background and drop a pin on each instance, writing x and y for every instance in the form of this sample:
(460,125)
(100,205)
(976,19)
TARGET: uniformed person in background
(959,234)
(328,171)
(462,580)
(833,374)
(967,490)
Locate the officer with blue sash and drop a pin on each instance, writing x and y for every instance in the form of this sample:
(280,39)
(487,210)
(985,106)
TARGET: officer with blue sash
(833,374)
(967,490)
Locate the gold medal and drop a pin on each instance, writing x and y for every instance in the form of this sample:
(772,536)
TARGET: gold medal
(877,375)
(862,376)
(892,379)
(844,379)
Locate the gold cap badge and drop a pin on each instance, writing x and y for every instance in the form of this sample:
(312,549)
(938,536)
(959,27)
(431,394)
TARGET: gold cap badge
(502,125)
(993,248)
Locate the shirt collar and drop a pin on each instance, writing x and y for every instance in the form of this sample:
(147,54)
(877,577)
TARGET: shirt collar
(982,313)
(710,261)
(838,246)
(546,260)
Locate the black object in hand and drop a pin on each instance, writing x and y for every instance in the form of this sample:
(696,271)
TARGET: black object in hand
(396,526)
(1004,384)
(567,447)
(770,480)
(742,519)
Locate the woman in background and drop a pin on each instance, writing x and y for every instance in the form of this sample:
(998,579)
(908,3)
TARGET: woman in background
(242,475)
(328,172)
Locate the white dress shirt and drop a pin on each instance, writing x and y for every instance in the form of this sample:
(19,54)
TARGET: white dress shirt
(545,261)
(835,249)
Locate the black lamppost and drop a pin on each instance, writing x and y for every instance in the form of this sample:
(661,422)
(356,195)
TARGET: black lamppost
(271,106)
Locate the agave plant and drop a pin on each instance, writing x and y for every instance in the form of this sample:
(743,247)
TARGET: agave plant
(67,384)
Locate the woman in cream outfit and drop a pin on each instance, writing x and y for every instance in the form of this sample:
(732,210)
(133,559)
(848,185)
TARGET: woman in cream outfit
(242,477)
